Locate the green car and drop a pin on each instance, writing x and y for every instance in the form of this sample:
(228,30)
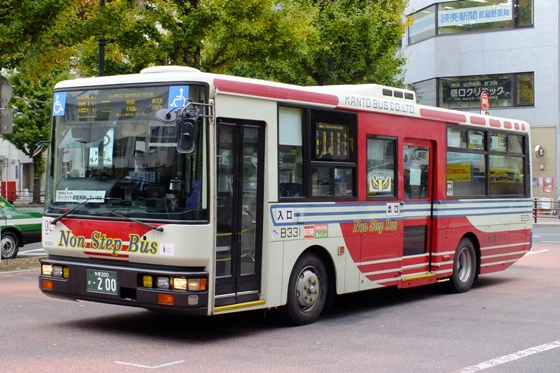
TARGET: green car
(18,228)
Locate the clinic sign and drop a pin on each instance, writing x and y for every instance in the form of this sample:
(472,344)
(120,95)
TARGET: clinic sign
(467,91)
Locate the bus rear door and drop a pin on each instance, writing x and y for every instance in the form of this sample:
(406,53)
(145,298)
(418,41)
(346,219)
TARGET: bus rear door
(417,213)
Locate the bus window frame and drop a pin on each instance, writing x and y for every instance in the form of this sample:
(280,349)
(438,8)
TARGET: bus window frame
(487,153)
(395,184)
(311,161)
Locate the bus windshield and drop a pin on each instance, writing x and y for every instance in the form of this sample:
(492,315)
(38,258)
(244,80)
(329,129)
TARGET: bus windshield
(111,156)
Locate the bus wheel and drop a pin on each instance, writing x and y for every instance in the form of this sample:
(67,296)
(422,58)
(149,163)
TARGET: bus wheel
(10,245)
(464,266)
(307,290)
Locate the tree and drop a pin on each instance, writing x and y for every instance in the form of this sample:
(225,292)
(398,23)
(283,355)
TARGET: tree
(31,102)
(23,25)
(295,41)
(305,42)
(359,42)
(241,37)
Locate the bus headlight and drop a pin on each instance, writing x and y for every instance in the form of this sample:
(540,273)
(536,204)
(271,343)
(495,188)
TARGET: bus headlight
(196,284)
(55,271)
(163,282)
(179,283)
(191,284)
(47,269)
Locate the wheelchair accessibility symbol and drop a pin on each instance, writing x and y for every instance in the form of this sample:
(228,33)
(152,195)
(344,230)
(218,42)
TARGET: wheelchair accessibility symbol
(178,96)
(59,103)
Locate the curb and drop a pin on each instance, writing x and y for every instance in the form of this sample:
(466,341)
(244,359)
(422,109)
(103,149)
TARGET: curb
(16,271)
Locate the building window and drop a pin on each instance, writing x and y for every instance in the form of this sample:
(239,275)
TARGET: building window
(506,90)
(524,13)
(423,25)
(464,16)
(454,17)
(463,92)
(525,92)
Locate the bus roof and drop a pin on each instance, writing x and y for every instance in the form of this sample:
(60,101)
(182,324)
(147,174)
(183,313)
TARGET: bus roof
(358,97)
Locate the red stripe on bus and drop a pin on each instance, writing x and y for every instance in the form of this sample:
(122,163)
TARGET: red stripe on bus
(507,125)
(443,115)
(478,120)
(495,123)
(262,90)
(106,255)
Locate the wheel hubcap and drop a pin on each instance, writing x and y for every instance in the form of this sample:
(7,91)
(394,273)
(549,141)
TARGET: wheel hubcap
(307,289)
(8,247)
(464,265)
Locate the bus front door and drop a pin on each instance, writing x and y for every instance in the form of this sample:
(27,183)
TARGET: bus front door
(239,161)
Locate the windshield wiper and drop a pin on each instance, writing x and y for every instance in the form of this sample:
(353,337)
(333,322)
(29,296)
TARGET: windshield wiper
(159,229)
(56,220)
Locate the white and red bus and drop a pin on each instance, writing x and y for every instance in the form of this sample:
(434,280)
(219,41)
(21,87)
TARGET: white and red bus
(175,189)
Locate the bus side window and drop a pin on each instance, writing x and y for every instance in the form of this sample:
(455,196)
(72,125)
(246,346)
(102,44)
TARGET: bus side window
(290,152)
(381,173)
(416,172)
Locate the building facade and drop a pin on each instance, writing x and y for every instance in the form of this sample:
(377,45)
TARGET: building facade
(508,48)
(16,173)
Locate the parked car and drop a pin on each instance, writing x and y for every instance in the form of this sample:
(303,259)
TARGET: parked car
(18,228)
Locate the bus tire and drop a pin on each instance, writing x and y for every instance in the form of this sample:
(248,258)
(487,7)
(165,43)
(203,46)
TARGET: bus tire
(307,290)
(464,267)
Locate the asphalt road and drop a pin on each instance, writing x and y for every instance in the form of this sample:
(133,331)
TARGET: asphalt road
(508,322)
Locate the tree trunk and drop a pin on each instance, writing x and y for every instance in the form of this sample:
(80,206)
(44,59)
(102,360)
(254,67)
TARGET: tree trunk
(37,191)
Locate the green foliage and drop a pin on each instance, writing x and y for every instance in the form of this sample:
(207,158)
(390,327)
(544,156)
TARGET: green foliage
(296,41)
(358,43)
(305,42)
(23,25)
(31,103)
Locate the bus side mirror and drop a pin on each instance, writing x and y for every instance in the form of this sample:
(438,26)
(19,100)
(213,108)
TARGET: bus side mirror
(186,135)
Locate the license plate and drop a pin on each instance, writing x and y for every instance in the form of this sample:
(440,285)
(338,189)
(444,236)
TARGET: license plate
(99,281)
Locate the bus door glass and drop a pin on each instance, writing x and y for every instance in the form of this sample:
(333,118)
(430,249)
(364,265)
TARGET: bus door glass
(418,192)
(240,154)
(381,233)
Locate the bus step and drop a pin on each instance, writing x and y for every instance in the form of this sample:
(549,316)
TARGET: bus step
(418,280)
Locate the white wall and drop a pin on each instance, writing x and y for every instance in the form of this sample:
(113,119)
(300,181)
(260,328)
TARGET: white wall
(503,51)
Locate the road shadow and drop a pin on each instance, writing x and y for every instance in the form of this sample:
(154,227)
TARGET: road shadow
(181,328)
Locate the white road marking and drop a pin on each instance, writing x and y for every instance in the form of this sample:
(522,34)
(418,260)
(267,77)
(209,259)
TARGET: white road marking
(150,367)
(536,252)
(511,357)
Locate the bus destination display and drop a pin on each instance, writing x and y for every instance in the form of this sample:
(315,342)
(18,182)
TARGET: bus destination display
(103,105)
(331,141)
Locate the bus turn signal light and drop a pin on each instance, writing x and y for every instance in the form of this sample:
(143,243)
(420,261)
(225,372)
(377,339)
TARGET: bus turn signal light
(47,284)
(165,299)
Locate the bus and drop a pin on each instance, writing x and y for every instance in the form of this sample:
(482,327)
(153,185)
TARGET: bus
(205,194)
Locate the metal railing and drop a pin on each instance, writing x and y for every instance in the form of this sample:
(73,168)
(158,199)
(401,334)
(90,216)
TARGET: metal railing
(21,196)
(545,207)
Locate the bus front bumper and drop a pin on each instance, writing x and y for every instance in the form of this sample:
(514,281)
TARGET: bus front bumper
(182,290)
